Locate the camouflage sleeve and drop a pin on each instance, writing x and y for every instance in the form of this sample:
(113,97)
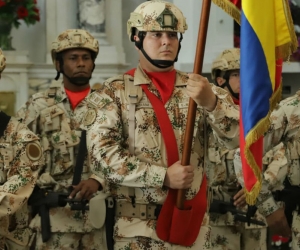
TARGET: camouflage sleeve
(22,160)
(98,179)
(109,159)
(275,172)
(28,114)
(224,119)
(277,129)
(237,163)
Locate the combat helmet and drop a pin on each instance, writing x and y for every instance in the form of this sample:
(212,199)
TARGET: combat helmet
(156,15)
(2,61)
(74,39)
(227,61)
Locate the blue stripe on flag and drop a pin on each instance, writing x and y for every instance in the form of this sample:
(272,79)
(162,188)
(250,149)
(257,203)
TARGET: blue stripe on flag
(255,78)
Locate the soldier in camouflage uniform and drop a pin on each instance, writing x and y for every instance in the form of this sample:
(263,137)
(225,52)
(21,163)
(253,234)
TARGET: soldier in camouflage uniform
(282,170)
(20,160)
(56,115)
(225,181)
(125,138)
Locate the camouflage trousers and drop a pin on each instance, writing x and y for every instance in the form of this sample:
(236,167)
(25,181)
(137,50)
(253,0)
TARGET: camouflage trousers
(233,238)
(94,240)
(145,243)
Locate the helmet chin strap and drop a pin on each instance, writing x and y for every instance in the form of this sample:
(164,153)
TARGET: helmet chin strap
(162,64)
(226,84)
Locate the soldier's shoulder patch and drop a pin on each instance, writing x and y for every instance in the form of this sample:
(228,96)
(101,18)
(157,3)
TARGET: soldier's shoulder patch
(34,151)
(89,117)
(98,99)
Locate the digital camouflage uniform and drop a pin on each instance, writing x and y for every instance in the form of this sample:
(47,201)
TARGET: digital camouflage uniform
(225,180)
(20,160)
(49,114)
(132,158)
(281,162)
(144,172)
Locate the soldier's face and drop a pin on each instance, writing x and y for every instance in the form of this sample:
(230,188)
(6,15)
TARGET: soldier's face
(78,63)
(234,81)
(77,67)
(160,45)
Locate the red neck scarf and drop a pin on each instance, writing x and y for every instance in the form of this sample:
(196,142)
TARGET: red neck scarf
(75,97)
(164,82)
(236,101)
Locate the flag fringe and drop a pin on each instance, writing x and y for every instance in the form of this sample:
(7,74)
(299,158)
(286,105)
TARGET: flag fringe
(254,134)
(275,98)
(285,50)
(230,9)
(252,195)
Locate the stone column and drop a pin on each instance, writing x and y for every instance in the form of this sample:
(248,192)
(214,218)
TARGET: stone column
(60,15)
(92,17)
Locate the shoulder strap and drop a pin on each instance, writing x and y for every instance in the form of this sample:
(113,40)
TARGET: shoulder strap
(80,159)
(51,93)
(133,95)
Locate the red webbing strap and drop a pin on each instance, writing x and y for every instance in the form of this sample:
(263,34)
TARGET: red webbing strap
(165,126)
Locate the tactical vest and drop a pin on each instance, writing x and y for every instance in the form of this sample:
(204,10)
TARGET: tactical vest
(59,140)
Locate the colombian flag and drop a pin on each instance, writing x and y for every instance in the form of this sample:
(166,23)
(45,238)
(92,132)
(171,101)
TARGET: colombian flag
(267,38)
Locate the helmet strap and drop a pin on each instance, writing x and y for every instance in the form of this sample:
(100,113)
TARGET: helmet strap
(226,84)
(57,75)
(162,64)
(61,63)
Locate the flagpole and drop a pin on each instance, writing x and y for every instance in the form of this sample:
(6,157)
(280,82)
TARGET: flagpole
(198,64)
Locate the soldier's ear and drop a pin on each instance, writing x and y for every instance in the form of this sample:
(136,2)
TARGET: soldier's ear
(220,80)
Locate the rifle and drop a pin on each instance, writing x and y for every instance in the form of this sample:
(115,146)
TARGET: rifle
(290,195)
(42,200)
(222,207)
